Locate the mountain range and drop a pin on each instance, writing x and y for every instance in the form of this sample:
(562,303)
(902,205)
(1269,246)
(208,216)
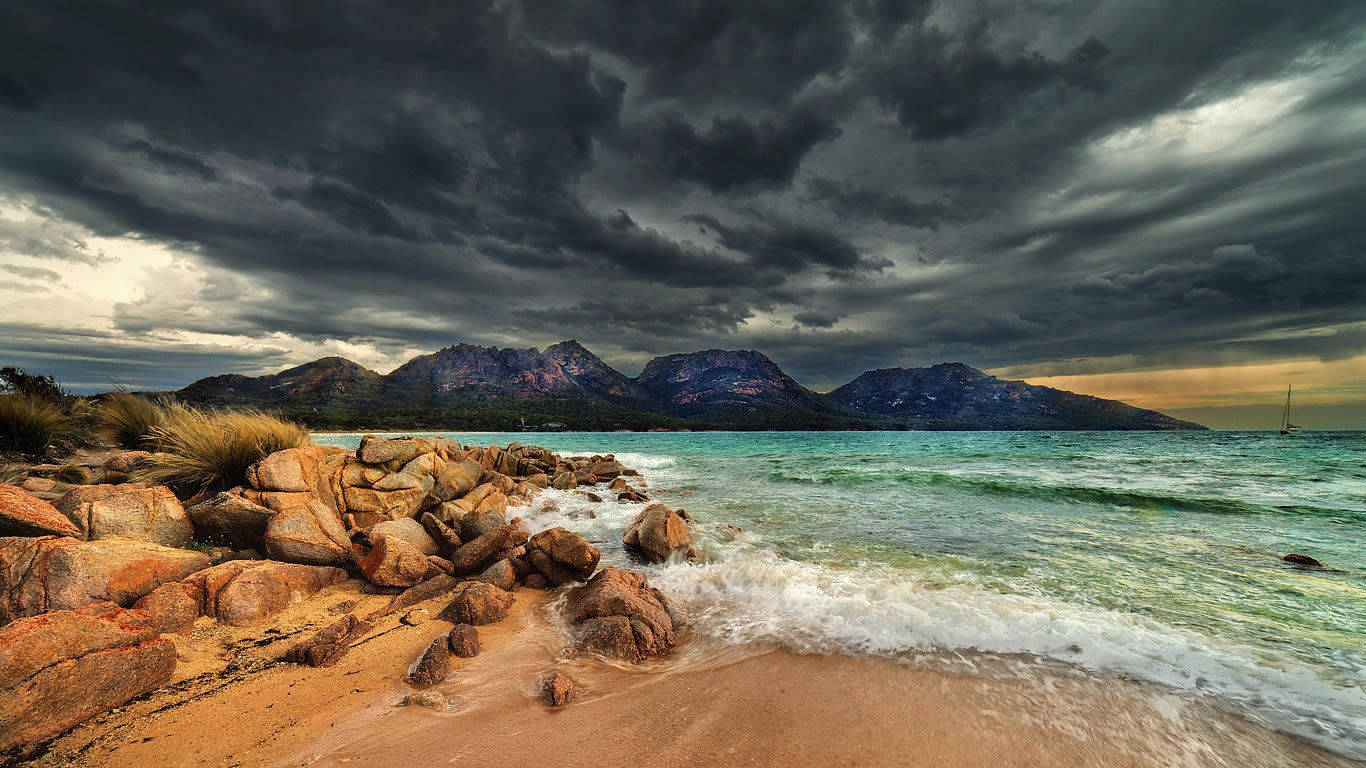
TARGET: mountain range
(567,386)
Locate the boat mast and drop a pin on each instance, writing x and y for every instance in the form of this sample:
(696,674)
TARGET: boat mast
(1285,418)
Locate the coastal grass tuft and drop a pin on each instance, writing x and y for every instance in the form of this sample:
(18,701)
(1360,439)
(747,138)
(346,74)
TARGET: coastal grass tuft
(129,421)
(202,451)
(29,424)
(73,474)
(12,474)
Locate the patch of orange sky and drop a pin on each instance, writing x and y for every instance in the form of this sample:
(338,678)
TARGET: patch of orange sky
(1316,382)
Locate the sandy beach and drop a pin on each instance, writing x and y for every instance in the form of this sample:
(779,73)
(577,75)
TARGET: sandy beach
(704,705)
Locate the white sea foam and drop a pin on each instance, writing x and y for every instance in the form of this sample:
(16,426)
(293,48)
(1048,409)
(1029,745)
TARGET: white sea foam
(749,594)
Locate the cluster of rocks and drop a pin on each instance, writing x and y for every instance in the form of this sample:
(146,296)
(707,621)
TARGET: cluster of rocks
(94,579)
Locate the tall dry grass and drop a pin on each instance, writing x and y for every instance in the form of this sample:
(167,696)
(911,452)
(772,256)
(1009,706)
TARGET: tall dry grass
(129,421)
(13,474)
(202,451)
(29,424)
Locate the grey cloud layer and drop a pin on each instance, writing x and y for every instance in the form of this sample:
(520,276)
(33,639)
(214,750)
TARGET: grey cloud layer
(841,185)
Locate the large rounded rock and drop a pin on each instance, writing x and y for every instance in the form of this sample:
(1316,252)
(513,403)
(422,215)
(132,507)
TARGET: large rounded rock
(312,469)
(392,562)
(478,603)
(456,478)
(126,462)
(474,556)
(230,519)
(64,667)
(138,511)
(247,592)
(562,556)
(501,574)
(52,573)
(657,533)
(370,506)
(606,468)
(398,450)
(484,519)
(410,531)
(306,531)
(172,608)
(23,514)
(618,615)
(447,539)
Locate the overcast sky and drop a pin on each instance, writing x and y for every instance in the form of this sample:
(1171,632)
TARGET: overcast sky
(1164,201)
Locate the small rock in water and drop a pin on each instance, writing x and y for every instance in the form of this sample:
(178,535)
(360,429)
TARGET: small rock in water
(432,666)
(463,641)
(1295,558)
(557,689)
(428,699)
(416,617)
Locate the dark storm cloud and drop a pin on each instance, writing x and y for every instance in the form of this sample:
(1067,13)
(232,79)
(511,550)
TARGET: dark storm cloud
(817,318)
(842,185)
(348,207)
(789,246)
(940,87)
(733,153)
(765,50)
(849,199)
(174,160)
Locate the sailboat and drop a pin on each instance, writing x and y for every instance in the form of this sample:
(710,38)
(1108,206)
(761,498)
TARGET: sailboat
(1286,427)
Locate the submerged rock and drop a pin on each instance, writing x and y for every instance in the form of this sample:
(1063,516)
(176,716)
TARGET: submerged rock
(426,700)
(556,689)
(1294,558)
(619,616)
(562,556)
(657,533)
(432,666)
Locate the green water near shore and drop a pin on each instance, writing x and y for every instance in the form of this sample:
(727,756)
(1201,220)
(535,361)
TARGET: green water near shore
(1154,556)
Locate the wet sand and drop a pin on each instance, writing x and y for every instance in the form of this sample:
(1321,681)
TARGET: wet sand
(706,705)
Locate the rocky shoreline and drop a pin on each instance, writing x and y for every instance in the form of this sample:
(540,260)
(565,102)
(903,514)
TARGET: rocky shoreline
(103,586)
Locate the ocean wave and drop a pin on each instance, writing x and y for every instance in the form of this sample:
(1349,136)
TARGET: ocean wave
(754,595)
(1019,487)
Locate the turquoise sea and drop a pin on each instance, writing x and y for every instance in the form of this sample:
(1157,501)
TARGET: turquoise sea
(1148,556)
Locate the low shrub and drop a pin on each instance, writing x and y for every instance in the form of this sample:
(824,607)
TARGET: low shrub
(29,424)
(201,451)
(129,421)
